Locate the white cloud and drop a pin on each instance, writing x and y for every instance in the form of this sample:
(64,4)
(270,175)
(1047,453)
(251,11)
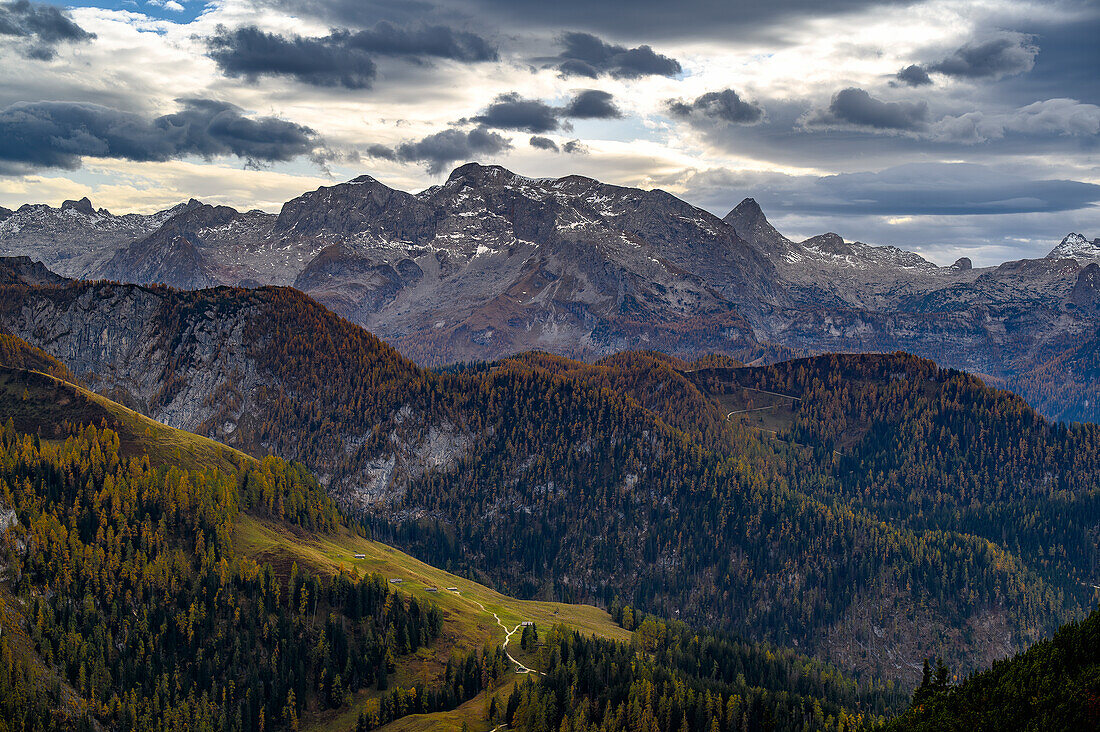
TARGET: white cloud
(1057,117)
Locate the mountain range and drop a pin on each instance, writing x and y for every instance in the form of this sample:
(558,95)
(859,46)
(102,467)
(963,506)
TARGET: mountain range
(492,263)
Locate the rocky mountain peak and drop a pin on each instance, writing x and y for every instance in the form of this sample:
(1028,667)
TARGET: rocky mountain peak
(196,214)
(344,209)
(83,206)
(364,180)
(476,174)
(748,211)
(750,223)
(963,264)
(830,243)
(5,213)
(1076,246)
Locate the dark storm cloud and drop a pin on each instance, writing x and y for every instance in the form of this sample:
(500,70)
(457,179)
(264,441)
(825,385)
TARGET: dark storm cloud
(341,58)
(1066,66)
(592,104)
(855,107)
(60,134)
(573,147)
(513,112)
(643,20)
(438,151)
(723,107)
(912,75)
(435,41)
(252,53)
(1004,55)
(586,55)
(543,143)
(42,28)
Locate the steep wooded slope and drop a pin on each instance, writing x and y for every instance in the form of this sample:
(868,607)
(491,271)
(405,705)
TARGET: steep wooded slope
(141,591)
(554,479)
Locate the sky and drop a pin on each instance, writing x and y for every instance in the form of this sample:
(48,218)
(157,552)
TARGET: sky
(947,127)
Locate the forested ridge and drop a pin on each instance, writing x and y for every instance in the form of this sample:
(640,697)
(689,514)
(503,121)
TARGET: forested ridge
(555,479)
(138,611)
(142,615)
(677,511)
(672,677)
(17,353)
(928,449)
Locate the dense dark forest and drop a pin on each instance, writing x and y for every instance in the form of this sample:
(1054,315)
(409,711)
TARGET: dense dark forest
(672,677)
(822,501)
(933,449)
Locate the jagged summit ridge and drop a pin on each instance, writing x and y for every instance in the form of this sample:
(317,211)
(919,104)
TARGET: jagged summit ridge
(1075,246)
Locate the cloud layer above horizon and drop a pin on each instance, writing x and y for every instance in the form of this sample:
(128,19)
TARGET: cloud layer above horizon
(943,126)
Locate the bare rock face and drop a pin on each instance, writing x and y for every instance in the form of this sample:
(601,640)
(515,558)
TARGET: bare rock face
(1085,295)
(193,360)
(112,336)
(200,246)
(23,271)
(491,263)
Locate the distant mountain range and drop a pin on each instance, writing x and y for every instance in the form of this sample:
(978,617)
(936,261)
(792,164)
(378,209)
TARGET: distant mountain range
(491,263)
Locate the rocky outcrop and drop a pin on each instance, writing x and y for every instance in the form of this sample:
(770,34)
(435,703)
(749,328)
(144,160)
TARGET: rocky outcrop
(1085,296)
(24,271)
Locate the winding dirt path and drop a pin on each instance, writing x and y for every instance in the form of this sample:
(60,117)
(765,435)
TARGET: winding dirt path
(520,668)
